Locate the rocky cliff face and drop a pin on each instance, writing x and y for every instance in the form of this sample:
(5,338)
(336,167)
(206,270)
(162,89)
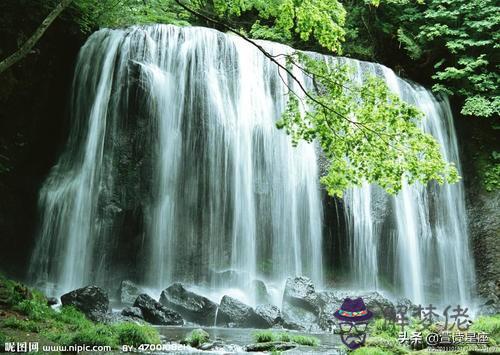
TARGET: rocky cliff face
(477,139)
(484,227)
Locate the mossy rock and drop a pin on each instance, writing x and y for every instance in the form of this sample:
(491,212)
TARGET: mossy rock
(270,346)
(196,338)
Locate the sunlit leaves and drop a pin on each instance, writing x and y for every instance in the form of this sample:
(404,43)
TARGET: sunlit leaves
(466,34)
(117,13)
(366,131)
(321,20)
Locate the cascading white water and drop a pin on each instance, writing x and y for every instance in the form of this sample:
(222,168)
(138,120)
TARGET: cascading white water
(179,124)
(175,171)
(426,227)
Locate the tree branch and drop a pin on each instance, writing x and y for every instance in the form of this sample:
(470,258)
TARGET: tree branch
(31,42)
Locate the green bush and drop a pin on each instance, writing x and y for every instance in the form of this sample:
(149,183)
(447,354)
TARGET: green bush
(305,340)
(35,309)
(135,334)
(72,316)
(11,292)
(24,325)
(286,337)
(263,336)
(383,328)
(390,345)
(491,176)
(370,351)
(69,326)
(268,336)
(490,325)
(59,336)
(197,337)
(3,340)
(99,334)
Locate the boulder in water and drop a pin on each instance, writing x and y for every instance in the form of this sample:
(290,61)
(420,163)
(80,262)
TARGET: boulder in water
(133,312)
(235,313)
(271,314)
(128,292)
(300,308)
(270,346)
(52,301)
(92,301)
(191,306)
(329,302)
(155,313)
(300,292)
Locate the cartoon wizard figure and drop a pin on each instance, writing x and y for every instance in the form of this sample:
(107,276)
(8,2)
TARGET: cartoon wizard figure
(353,317)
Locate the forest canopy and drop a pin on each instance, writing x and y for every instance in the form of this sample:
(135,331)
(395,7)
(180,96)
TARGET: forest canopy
(454,42)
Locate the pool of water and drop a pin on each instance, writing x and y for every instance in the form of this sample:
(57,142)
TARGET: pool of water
(329,343)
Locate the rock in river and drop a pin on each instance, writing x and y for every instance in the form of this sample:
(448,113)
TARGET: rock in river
(235,313)
(92,301)
(191,306)
(155,313)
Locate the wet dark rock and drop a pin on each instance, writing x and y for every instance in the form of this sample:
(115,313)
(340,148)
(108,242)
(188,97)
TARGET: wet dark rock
(92,301)
(269,346)
(211,345)
(483,219)
(52,301)
(191,306)
(133,312)
(114,318)
(271,314)
(235,313)
(128,292)
(155,313)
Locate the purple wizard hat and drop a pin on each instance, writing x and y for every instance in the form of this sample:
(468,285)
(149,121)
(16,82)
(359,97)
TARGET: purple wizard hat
(353,311)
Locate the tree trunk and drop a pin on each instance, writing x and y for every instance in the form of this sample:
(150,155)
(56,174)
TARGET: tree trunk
(30,43)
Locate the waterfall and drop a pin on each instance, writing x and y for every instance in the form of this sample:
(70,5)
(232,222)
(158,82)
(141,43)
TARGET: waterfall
(174,171)
(174,159)
(421,233)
